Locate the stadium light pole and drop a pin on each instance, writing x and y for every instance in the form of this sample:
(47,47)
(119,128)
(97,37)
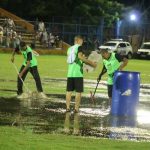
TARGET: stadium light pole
(133,19)
(118,26)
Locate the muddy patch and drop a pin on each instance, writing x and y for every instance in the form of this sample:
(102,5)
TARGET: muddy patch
(94,119)
(49,116)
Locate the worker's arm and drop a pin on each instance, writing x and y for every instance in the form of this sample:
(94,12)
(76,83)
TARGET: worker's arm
(123,64)
(104,70)
(35,53)
(29,58)
(24,70)
(123,60)
(85,60)
(13,54)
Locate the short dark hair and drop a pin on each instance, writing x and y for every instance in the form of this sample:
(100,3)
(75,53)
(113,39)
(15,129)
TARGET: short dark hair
(22,44)
(104,50)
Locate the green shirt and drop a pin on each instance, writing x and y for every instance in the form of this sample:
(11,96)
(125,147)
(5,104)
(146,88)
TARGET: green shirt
(111,65)
(75,69)
(33,60)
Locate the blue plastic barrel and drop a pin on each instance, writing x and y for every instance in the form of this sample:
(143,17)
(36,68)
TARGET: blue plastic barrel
(125,96)
(121,121)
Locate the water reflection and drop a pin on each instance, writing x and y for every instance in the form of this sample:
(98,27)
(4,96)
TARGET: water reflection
(120,121)
(39,116)
(143,116)
(67,124)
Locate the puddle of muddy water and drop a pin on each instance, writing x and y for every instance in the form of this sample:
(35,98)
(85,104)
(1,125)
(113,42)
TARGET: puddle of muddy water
(48,116)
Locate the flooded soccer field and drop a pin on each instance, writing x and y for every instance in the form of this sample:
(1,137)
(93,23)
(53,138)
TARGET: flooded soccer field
(94,120)
(35,123)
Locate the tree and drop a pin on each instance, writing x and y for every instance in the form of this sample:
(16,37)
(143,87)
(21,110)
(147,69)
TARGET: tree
(90,11)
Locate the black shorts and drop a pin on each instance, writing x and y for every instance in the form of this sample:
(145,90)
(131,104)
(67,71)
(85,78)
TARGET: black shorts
(75,84)
(110,87)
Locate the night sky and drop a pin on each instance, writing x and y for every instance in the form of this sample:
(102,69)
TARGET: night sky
(134,2)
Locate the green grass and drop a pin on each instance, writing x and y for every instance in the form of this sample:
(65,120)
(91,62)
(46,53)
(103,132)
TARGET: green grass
(16,139)
(55,67)
(52,66)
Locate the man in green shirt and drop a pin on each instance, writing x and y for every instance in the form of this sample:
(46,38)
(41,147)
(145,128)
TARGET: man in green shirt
(29,64)
(111,63)
(75,61)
